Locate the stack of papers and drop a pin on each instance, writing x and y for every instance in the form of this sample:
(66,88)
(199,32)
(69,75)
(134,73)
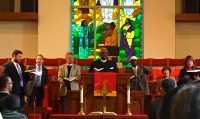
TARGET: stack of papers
(33,71)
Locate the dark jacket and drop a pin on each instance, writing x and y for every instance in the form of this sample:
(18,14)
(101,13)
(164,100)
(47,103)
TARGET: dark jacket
(108,66)
(11,71)
(139,81)
(31,83)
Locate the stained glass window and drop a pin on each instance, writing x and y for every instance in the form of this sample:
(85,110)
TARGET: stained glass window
(113,23)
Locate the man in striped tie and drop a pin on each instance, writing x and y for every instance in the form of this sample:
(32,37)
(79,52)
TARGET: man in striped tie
(15,71)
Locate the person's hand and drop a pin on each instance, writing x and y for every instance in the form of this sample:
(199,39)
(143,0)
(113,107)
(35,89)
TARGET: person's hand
(196,77)
(186,76)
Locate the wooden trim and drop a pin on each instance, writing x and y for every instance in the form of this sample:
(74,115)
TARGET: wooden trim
(187,18)
(26,16)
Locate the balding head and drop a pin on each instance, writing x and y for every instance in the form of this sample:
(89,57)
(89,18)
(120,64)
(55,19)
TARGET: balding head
(104,53)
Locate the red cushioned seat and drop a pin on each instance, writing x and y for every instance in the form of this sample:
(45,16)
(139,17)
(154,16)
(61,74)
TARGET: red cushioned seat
(159,62)
(3,61)
(51,62)
(34,116)
(30,61)
(52,72)
(176,62)
(84,62)
(175,72)
(146,62)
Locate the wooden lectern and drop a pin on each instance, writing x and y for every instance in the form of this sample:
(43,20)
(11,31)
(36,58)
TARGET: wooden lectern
(116,104)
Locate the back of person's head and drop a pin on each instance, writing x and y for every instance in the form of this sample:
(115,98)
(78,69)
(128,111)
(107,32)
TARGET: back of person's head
(3,81)
(183,81)
(168,84)
(12,102)
(185,104)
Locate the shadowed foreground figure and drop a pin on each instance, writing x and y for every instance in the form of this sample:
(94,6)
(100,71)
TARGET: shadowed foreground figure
(185,104)
(12,104)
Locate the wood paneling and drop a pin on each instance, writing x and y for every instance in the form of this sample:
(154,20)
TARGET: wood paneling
(187,17)
(10,16)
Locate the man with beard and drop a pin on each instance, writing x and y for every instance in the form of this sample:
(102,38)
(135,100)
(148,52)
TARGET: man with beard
(15,71)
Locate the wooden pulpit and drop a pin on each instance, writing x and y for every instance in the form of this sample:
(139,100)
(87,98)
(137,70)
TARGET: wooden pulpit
(116,104)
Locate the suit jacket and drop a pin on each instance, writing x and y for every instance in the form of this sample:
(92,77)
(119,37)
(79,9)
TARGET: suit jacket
(108,66)
(31,83)
(63,72)
(140,78)
(11,71)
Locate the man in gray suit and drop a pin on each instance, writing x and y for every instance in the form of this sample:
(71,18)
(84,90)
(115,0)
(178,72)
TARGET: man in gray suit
(138,80)
(65,73)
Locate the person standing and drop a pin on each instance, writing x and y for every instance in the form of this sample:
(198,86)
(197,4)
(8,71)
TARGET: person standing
(66,71)
(15,71)
(103,64)
(35,86)
(138,80)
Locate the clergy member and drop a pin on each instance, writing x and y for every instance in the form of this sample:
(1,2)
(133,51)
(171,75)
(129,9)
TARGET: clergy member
(103,64)
(67,71)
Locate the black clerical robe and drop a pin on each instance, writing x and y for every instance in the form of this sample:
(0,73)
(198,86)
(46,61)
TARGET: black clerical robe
(108,66)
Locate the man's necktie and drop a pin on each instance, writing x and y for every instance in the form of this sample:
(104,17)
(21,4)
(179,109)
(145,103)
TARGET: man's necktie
(20,75)
(38,78)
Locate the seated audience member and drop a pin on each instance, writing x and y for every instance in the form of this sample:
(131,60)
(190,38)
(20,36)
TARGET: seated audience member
(103,64)
(155,108)
(35,86)
(189,65)
(6,85)
(185,104)
(138,79)
(12,104)
(66,71)
(166,74)
(167,100)
(5,89)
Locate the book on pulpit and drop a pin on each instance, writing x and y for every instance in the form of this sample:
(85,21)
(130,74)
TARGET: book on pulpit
(97,113)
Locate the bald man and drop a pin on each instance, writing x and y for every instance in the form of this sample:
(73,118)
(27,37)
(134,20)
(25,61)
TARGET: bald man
(103,64)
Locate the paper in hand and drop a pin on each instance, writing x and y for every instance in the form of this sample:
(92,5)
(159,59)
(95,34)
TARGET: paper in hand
(196,70)
(33,71)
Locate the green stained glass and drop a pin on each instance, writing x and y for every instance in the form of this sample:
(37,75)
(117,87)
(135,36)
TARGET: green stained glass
(116,24)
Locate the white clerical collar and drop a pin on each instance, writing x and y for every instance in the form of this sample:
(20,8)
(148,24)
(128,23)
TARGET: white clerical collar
(103,60)
(69,64)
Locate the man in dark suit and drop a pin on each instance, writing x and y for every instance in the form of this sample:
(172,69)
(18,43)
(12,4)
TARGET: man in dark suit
(156,106)
(15,71)
(103,64)
(138,80)
(35,86)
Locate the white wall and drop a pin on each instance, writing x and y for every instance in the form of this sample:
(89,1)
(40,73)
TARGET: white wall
(18,35)
(54,27)
(159,29)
